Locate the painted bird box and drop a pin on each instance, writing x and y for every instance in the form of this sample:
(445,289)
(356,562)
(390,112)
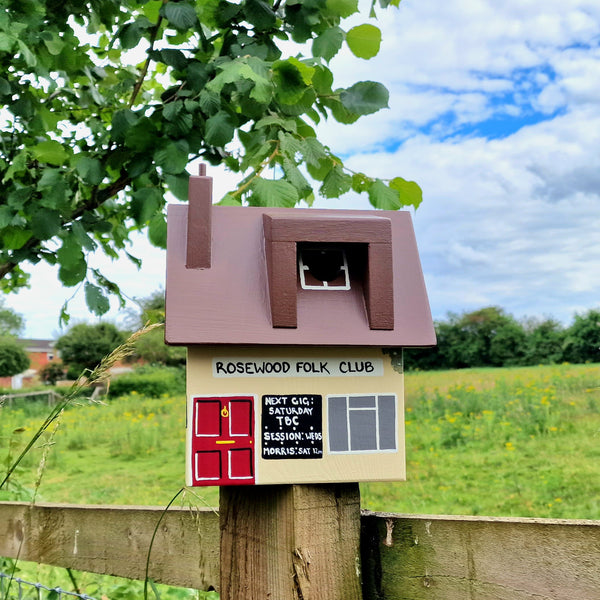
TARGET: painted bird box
(285,313)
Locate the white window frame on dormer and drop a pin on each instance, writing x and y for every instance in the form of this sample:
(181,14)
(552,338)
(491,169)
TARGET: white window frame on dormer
(324,284)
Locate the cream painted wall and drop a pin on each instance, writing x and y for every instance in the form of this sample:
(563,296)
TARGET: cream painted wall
(368,466)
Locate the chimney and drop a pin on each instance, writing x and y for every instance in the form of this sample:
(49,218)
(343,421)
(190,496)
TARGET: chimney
(199,221)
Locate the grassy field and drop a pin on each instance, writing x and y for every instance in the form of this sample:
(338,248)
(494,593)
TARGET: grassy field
(500,442)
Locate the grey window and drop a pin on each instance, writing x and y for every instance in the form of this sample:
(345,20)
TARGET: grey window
(362,423)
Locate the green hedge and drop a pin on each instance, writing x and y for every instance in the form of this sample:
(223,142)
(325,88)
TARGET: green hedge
(151,382)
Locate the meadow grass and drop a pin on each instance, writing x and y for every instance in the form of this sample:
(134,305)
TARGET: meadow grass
(521,441)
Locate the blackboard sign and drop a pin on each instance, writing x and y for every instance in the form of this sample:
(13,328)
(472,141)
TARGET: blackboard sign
(292,426)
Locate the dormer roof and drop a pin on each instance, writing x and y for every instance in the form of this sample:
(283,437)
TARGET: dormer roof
(232,276)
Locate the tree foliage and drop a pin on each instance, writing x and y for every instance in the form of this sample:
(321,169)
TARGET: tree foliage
(84,346)
(151,347)
(103,104)
(489,337)
(52,372)
(582,341)
(13,358)
(11,322)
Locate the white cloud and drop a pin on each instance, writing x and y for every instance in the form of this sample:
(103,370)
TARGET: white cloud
(512,221)
(511,209)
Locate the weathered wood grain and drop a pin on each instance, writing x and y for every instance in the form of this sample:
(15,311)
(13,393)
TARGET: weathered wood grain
(290,542)
(472,558)
(404,557)
(115,540)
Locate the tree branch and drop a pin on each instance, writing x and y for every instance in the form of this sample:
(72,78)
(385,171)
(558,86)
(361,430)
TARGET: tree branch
(140,82)
(97,198)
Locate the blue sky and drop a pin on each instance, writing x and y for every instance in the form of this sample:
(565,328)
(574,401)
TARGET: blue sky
(495,112)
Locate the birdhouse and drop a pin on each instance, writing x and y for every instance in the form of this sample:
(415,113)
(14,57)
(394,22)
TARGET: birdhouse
(285,314)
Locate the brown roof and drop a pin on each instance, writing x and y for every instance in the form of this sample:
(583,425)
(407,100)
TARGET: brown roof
(250,292)
(38,345)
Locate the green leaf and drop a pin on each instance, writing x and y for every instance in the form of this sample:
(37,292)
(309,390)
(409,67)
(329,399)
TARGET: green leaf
(336,183)
(294,176)
(50,177)
(328,44)
(364,40)
(273,192)
(233,71)
(381,196)
(130,35)
(90,170)
(14,238)
(172,58)
(73,267)
(45,223)
(81,236)
(365,97)
(157,231)
(210,102)
(340,112)
(51,152)
(290,145)
(289,84)
(6,216)
(142,136)
(313,151)
(5,88)
(343,8)
(306,71)
(322,80)
(70,253)
(27,54)
(173,158)
(178,185)
(410,192)
(96,301)
(145,203)
(172,109)
(179,14)
(71,275)
(139,164)
(6,42)
(122,121)
(260,14)
(229,200)
(360,182)
(219,129)
(53,42)
(65,317)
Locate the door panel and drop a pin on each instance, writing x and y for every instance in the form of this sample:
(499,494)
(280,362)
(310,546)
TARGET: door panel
(207,418)
(223,440)
(240,417)
(207,465)
(241,464)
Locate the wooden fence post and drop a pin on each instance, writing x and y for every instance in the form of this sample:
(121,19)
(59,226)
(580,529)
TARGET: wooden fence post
(290,542)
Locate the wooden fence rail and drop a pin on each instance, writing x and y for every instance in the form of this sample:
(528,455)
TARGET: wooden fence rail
(53,396)
(404,557)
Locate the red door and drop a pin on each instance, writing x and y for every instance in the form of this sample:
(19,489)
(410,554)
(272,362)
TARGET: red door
(223,440)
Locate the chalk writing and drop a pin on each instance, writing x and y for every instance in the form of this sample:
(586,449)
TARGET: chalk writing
(291,426)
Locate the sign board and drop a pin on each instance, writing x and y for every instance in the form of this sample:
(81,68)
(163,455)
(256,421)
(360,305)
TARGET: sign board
(291,427)
(297,367)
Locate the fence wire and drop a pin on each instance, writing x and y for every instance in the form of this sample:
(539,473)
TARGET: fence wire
(15,588)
